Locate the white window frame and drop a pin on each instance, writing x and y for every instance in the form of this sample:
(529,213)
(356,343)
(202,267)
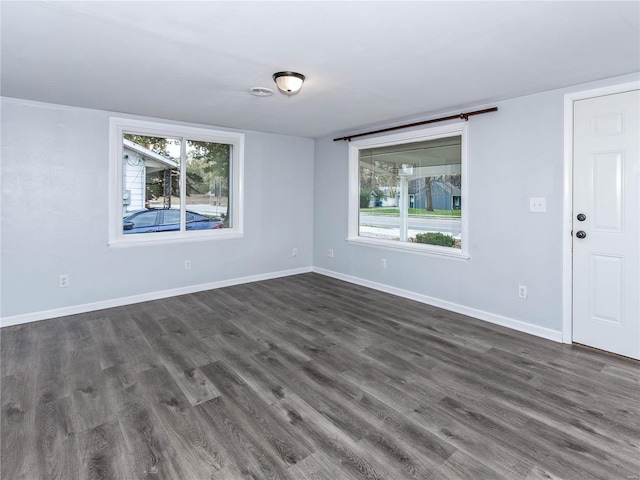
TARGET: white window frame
(449,130)
(118,127)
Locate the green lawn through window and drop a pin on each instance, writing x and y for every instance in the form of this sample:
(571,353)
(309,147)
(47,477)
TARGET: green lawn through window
(392,211)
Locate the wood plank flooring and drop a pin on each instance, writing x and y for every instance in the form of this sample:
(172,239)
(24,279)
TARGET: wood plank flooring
(308,378)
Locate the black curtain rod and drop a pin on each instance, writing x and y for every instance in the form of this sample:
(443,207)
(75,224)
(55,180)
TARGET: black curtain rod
(464,116)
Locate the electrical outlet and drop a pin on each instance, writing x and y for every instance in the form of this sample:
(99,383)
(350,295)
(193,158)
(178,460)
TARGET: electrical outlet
(330,253)
(187,264)
(294,253)
(63,281)
(522,291)
(383,263)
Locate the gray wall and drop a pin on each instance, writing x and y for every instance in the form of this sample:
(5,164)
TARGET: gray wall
(513,154)
(55,164)
(55,167)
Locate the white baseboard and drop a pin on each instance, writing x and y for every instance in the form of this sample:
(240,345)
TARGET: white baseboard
(555,335)
(145,297)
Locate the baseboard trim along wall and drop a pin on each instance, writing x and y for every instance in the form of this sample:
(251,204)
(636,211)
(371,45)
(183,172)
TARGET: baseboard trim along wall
(145,297)
(547,333)
(555,335)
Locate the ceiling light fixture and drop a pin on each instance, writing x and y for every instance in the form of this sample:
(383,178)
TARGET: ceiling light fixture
(288,82)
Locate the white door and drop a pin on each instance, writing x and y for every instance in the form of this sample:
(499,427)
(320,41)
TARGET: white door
(606,223)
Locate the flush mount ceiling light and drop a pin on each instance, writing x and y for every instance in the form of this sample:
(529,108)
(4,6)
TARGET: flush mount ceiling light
(288,82)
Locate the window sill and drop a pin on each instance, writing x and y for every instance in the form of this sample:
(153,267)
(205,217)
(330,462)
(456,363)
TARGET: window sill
(142,239)
(413,248)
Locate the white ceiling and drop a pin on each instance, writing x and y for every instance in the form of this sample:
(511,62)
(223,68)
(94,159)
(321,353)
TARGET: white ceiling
(367,63)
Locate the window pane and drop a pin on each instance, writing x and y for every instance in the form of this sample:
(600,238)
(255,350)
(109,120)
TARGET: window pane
(412,192)
(207,194)
(150,179)
(187,178)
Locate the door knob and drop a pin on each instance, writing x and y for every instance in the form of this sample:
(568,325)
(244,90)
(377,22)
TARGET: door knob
(581,234)
(581,217)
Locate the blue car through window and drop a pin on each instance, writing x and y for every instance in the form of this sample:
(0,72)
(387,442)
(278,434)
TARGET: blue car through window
(161,220)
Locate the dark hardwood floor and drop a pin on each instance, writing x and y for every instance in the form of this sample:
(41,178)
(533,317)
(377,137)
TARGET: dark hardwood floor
(307,377)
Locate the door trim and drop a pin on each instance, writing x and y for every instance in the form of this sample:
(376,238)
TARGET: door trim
(567,211)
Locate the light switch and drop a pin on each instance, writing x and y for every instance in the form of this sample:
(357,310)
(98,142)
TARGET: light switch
(538,205)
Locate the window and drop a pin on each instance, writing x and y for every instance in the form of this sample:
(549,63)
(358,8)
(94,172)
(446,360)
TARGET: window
(408,191)
(171,182)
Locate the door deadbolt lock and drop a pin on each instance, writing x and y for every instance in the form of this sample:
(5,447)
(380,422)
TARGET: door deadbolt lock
(581,234)
(581,217)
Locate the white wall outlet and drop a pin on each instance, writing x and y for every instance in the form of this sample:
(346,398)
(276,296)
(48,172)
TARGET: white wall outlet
(330,253)
(187,264)
(63,281)
(522,291)
(294,253)
(383,263)
(538,205)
